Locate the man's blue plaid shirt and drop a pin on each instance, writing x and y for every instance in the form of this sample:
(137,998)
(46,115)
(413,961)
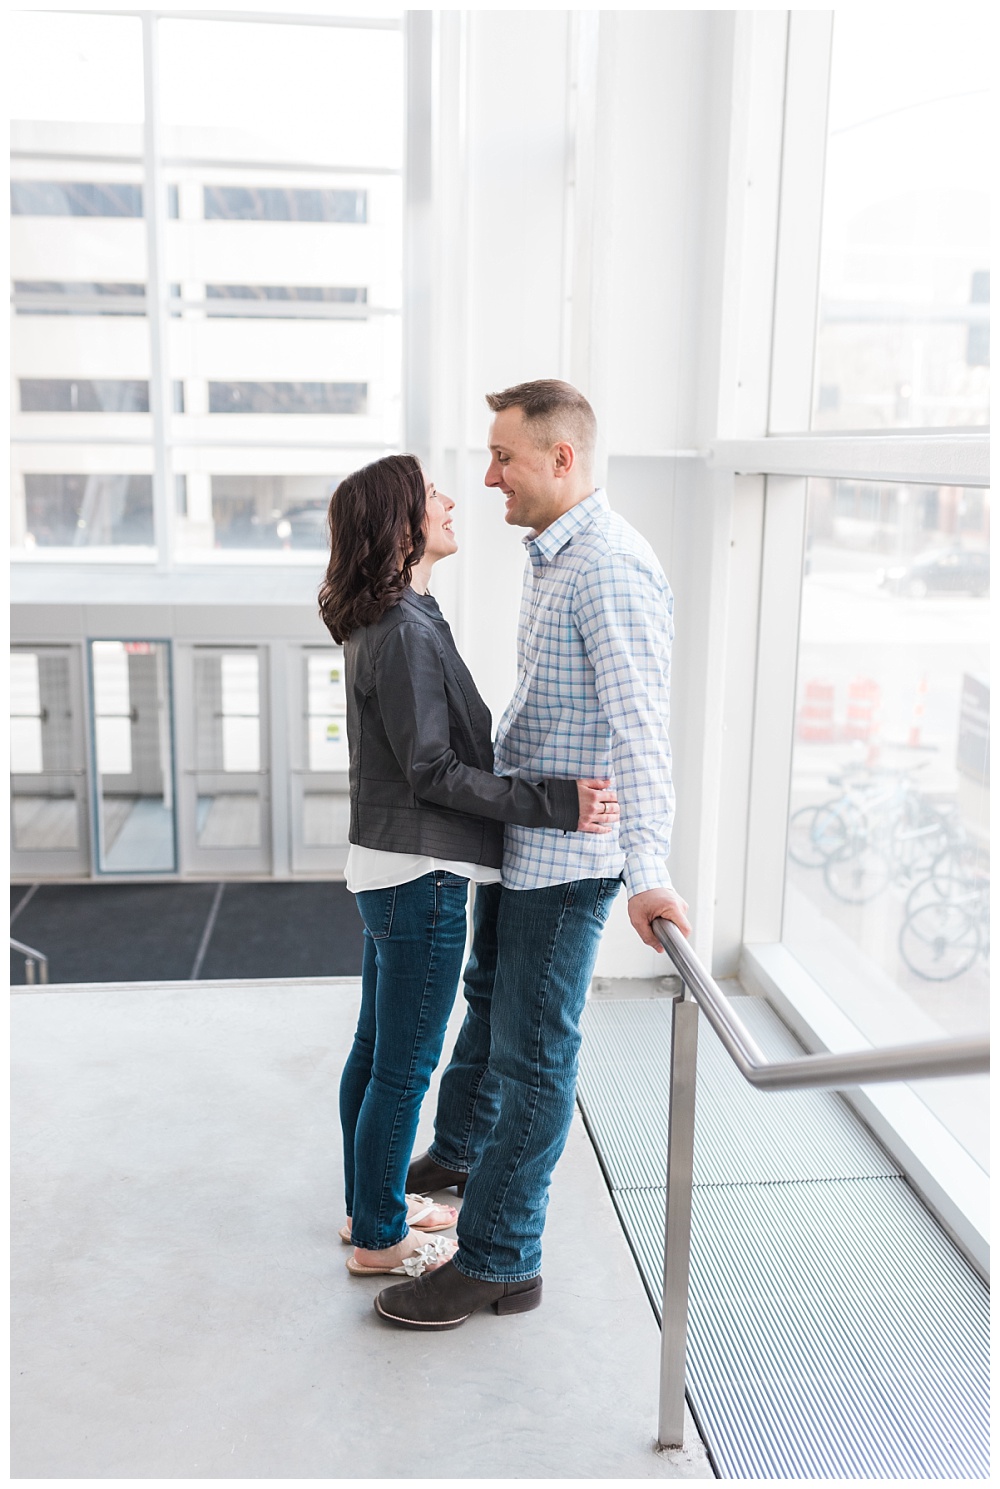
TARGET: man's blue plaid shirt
(593,698)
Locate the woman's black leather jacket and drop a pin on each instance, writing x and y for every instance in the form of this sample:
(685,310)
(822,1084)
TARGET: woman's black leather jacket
(421,751)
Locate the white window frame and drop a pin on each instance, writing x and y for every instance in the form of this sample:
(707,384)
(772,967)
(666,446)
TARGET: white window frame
(158,306)
(783,460)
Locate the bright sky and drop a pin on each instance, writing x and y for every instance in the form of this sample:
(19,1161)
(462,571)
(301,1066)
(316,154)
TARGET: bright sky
(910,124)
(308,92)
(887,57)
(918,73)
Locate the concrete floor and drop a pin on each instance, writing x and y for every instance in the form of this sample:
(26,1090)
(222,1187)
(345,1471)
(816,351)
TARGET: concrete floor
(181,1304)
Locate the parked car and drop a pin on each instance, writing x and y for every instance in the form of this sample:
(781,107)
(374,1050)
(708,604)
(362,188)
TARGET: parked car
(302,527)
(942,571)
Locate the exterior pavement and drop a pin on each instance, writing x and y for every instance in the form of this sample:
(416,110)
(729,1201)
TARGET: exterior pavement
(181,1305)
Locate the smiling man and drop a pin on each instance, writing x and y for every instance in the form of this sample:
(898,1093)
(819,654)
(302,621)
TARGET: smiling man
(592,700)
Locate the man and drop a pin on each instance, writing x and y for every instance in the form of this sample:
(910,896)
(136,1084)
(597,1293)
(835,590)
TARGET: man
(592,701)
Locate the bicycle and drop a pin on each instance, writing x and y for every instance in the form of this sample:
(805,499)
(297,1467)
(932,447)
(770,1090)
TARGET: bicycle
(947,922)
(880,829)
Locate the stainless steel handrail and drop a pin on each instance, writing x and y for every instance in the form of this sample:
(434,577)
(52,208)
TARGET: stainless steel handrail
(896,1062)
(938,1058)
(31,958)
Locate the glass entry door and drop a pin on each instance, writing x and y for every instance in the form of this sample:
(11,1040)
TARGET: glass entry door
(49,830)
(321,809)
(133,750)
(226,807)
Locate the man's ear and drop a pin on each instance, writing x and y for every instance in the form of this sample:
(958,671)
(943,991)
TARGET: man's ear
(564,458)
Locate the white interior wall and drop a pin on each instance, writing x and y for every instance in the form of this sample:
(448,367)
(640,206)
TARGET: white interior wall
(617,139)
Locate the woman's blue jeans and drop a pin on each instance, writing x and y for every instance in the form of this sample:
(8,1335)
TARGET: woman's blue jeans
(414,942)
(506,1099)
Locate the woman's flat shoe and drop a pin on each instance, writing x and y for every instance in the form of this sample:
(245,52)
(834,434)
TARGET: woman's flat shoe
(428,1176)
(428,1256)
(419,1210)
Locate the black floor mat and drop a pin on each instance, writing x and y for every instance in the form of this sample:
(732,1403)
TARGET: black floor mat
(285,930)
(154,932)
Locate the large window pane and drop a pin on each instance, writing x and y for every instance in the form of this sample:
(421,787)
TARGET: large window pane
(74,511)
(283,250)
(286,93)
(287,156)
(276,512)
(75,69)
(887,888)
(80,341)
(904,292)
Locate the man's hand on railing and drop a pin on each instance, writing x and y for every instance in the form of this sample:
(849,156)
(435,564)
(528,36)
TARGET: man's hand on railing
(657,904)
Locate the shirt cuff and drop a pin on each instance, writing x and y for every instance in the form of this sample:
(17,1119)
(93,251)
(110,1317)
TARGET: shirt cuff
(641,874)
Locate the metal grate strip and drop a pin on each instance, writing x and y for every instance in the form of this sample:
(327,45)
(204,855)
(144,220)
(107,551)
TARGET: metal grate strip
(834,1331)
(740,1136)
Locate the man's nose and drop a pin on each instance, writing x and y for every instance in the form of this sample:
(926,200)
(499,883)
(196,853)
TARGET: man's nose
(492,476)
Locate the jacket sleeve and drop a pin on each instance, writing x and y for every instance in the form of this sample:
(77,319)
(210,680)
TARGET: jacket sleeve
(410,682)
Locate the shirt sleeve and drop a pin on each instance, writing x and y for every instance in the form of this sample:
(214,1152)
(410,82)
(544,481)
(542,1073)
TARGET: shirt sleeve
(623,610)
(410,681)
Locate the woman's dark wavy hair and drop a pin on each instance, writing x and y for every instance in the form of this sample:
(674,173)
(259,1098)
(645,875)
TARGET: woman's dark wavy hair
(376,524)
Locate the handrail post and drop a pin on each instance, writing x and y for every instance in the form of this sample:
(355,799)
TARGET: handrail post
(34,961)
(677,1245)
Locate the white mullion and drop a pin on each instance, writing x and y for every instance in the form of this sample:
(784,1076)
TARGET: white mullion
(796,297)
(160,401)
(938,459)
(418,244)
(774,705)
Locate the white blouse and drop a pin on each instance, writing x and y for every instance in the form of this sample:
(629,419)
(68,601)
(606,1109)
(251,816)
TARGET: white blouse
(373,868)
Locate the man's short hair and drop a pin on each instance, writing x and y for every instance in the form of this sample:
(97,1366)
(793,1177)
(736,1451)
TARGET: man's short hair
(555,410)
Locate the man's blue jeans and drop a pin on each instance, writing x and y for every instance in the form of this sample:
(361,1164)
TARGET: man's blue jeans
(414,943)
(506,1099)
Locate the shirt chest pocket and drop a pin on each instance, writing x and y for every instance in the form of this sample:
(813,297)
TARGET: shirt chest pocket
(550,631)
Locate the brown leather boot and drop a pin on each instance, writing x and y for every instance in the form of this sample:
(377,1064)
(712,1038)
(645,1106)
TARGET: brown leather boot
(445,1298)
(424,1176)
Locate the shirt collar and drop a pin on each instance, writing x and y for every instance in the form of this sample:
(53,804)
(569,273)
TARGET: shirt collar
(542,547)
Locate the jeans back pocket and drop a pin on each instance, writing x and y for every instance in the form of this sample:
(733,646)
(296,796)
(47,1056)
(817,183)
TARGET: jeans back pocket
(377,907)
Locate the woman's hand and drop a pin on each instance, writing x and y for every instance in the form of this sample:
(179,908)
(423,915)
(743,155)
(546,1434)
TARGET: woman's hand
(598,806)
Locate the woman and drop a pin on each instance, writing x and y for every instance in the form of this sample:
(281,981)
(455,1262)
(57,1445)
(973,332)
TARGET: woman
(427,816)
